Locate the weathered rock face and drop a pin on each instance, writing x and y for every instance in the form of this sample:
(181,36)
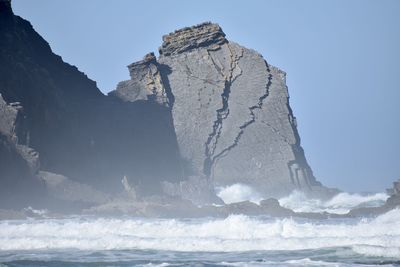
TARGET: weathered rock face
(230,111)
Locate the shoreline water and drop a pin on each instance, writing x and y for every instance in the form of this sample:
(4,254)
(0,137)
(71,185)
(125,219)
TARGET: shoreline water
(238,240)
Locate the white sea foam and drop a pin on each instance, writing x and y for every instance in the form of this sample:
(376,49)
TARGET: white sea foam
(237,193)
(41,213)
(299,202)
(340,204)
(235,233)
(299,262)
(154,265)
(377,251)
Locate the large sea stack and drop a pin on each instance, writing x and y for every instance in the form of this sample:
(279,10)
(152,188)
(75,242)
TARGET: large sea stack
(230,110)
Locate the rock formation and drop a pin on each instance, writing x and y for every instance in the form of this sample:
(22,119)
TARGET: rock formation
(69,125)
(207,113)
(230,111)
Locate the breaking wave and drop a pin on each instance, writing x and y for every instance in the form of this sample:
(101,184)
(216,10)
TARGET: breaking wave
(372,236)
(341,203)
(237,193)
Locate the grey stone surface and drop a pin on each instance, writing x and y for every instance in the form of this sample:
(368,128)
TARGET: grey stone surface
(231,113)
(239,128)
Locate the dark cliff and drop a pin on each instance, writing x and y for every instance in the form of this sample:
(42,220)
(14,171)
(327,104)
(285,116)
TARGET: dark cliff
(73,128)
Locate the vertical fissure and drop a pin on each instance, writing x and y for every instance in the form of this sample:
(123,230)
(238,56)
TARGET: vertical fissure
(213,137)
(222,113)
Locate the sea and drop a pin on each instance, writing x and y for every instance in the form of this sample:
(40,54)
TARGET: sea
(237,240)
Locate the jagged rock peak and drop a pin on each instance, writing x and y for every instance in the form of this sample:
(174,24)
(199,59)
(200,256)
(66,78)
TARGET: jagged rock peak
(138,66)
(188,38)
(145,84)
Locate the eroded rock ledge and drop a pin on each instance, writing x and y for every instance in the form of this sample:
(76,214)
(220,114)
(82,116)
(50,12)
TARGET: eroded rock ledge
(201,35)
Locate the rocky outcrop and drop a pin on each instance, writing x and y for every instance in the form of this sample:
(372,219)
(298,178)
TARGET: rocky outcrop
(145,83)
(19,163)
(230,111)
(203,35)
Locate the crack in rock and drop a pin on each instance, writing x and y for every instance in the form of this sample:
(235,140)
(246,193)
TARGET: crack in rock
(218,68)
(222,113)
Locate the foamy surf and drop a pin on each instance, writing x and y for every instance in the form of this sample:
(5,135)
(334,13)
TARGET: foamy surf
(235,233)
(342,203)
(237,193)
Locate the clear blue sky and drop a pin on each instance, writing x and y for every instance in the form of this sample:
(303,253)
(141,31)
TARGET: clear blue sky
(342,59)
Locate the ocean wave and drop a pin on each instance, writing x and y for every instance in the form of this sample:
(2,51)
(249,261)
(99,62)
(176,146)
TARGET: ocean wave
(341,203)
(237,193)
(235,233)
